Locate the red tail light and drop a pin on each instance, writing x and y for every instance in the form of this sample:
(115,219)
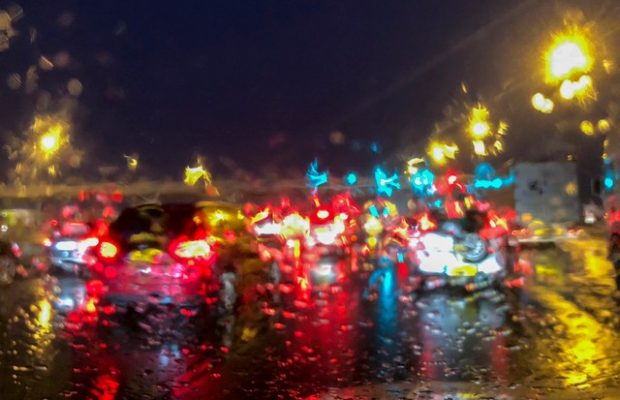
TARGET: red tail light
(107,250)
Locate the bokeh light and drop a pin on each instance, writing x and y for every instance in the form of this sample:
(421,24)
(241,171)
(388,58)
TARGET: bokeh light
(587,127)
(542,104)
(570,55)
(479,127)
(441,152)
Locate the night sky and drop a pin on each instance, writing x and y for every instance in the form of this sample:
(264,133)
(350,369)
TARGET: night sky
(264,83)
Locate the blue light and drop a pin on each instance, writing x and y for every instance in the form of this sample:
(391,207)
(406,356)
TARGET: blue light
(495,182)
(350,179)
(484,171)
(388,281)
(510,179)
(316,178)
(609,176)
(385,184)
(374,147)
(373,211)
(422,182)
(609,183)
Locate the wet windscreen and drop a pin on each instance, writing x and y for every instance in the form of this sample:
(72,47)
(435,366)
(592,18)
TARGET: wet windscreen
(309,200)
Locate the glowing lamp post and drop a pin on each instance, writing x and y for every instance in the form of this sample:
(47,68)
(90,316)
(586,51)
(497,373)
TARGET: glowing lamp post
(51,141)
(568,63)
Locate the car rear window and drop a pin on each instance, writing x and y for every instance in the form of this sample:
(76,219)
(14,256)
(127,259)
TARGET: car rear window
(74,229)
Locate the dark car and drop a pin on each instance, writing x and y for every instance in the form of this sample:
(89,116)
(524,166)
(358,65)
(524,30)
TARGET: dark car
(155,253)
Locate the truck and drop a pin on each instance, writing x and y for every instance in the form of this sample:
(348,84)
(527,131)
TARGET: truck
(546,197)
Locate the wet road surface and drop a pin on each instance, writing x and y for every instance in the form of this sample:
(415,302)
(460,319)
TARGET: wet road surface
(555,338)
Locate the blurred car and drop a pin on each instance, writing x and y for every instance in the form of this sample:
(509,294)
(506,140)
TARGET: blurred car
(327,230)
(613,240)
(325,270)
(226,226)
(592,213)
(69,247)
(220,217)
(9,262)
(155,253)
(473,249)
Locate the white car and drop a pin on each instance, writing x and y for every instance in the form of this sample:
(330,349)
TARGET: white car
(454,253)
(70,248)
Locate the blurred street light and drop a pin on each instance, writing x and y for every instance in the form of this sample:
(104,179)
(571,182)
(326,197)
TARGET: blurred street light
(440,152)
(132,162)
(587,127)
(542,104)
(603,126)
(479,126)
(42,149)
(49,142)
(479,148)
(486,135)
(52,135)
(580,89)
(568,56)
(413,165)
(568,63)
(194,174)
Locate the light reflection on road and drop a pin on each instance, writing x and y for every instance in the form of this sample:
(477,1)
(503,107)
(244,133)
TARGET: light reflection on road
(578,330)
(278,340)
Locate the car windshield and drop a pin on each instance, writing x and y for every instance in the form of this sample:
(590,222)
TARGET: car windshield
(325,199)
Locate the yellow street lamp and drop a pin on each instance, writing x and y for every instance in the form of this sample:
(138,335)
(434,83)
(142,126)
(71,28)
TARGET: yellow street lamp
(51,141)
(580,89)
(132,162)
(194,174)
(479,148)
(479,126)
(569,56)
(440,152)
(587,127)
(542,104)
(603,125)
